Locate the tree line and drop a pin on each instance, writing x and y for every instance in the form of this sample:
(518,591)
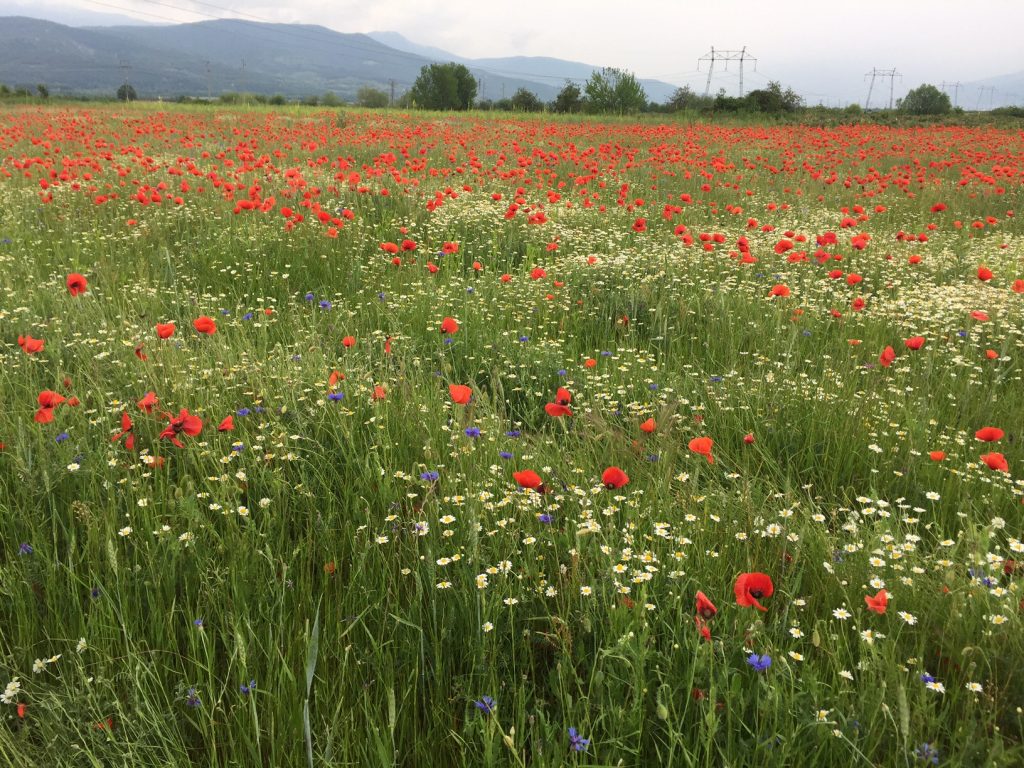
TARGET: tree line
(608,91)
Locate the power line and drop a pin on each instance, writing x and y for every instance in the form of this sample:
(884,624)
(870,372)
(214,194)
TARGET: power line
(722,55)
(956,89)
(890,73)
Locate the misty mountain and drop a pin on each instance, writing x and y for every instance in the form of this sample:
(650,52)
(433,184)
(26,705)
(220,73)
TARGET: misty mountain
(208,58)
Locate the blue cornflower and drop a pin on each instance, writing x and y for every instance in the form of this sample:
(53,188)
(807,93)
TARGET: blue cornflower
(759,663)
(382,296)
(562,372)
(513,433)
(95,593)
(324,304)
(238,447)
(448,340)
(430,476)
(653,457)
(258,409)
(524,339)
(198,623)
(247,316)
(309,296)
(225,312)
(653,387)
(192,698)
(606,354)
(25,548)
(242,412)
(716,379)
(577,742)
(928,753)
(62,437)
(473,432)
(470,289)
(544,517)
(336,396)
(806,333)
(926,678)
(247,688)
(505,455)
(486,704)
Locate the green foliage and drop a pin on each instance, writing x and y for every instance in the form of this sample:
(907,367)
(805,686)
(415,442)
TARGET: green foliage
(126,92)
(773,100)
(372,98)
(524,100)
(42,91)
(331,99)
(444,86)
(925,100)
(568,100)
(615,91)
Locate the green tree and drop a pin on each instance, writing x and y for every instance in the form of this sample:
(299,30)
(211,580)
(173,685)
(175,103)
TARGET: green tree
(925,100)
(615,90)
(526,101)
(43,91)
(372,98)
(125,92)
(331,99)
(443,86)
(773,100)
(569,99)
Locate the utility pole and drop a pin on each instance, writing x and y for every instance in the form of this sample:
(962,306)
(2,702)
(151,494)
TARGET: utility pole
(956,89)
(722,55)
(209,82)
(391,100)
(892,74)
(126,68)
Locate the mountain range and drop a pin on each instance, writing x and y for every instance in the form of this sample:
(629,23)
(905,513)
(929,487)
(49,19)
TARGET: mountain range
(208,58)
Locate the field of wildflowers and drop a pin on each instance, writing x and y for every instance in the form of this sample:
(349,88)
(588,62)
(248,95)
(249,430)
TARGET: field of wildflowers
(371,440)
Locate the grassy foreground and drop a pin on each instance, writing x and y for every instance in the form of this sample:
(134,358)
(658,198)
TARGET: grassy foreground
(350,571)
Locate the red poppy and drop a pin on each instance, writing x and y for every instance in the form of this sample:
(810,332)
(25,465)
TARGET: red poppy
(379,393)
(183,422)
(702,446)
(334,378)
(878,603)
(705,608)
(887,356)
(449,248)
(126,429)
(22,709)
(148,402)
(589,363)
(613,478)
(140,354)
(915,342)
(556,410)
(449,326)
(204,324)
(1018,286)
(648,426)
(779,290)
(29,345)
(164,330)
(996,461)
(460,393)
(751,587)
(227,424)
(984,273)
(857,304)
(408,245)
(49,399)
(348,341)
(537,273)
(703,628)
(391,248)
(981,317)
(989,434)
(640,225)
(527,478)
(937,455)
(77,283)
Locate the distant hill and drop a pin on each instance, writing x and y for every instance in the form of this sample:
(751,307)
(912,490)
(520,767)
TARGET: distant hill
(212,57)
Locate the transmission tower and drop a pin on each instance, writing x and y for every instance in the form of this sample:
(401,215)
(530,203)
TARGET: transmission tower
(720,55)
(981,93)
(956,89)
(892,74)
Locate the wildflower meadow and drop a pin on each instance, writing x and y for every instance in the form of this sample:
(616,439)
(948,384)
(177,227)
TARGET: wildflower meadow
(342,439)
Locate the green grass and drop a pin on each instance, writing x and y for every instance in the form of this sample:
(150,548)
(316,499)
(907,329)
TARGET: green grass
(304,553)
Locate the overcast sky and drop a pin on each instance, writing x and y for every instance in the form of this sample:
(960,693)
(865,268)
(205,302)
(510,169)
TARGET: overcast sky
(823,49)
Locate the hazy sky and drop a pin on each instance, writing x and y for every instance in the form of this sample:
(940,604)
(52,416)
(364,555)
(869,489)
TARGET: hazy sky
(821,48)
